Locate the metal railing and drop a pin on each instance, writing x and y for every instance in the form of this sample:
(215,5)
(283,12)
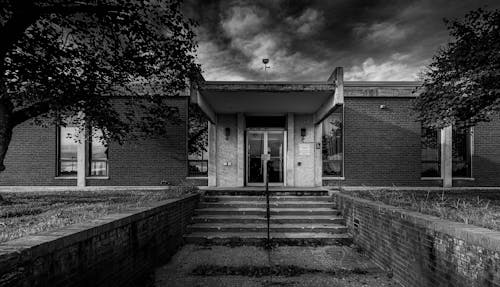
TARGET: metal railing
(268,208)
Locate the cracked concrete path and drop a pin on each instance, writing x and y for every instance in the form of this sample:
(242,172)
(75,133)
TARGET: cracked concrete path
(345,261)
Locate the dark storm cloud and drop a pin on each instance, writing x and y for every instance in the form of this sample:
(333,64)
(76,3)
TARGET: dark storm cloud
(305,40)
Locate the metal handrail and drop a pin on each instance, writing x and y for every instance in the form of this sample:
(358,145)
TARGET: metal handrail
(268,209)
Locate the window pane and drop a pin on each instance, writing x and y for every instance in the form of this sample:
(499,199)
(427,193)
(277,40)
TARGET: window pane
(431,153)
(67,151)
(332,145)
(198,168)
(98,155)
(461,153)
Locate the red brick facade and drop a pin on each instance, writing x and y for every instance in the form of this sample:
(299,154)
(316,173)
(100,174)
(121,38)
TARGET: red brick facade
(381,148)
(32,157)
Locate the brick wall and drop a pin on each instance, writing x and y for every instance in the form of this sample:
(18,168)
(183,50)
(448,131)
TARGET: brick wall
(32,157)
(382,146)
(117,250)
(423,250)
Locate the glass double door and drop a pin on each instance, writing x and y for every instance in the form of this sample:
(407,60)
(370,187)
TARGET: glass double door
(259,143)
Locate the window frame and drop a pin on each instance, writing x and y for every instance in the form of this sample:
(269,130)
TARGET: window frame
(440,156)
(471,159)
(342,177)
(88,147)
(58,174)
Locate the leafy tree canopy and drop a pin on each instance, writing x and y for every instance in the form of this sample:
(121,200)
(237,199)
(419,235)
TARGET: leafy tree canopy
(62,59)
(462,84)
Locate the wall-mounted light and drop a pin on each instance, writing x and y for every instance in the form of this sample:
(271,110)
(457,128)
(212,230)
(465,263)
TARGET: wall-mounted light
(303,133)
(227,133)
(383,107)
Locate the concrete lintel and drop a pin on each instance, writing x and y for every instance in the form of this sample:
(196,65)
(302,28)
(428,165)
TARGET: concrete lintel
(267,86)
(336,99)
(197,98)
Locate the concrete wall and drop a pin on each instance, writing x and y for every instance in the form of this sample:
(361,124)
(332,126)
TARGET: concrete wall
(423,250)
(32,157)
(117,250)
(227,150)
(305,172)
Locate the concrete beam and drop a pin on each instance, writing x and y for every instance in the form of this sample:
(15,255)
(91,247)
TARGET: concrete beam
(336,99)
(197,98)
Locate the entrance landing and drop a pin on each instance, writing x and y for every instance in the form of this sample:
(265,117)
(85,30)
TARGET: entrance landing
(341,266)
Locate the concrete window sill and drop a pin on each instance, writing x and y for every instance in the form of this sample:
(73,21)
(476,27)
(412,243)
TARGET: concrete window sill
(333,178)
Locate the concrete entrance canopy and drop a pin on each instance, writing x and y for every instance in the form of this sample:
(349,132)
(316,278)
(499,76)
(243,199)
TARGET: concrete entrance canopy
(304,105)
(318,98)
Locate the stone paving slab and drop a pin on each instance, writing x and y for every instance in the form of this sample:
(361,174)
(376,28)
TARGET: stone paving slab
(178,272)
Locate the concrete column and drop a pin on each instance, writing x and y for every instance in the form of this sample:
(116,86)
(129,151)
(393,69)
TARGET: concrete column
(81,159)
(290,153)
(446,156)
(240,141)
(318,162)
(212,154)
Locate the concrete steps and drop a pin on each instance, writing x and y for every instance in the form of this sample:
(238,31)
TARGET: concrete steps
(298,217)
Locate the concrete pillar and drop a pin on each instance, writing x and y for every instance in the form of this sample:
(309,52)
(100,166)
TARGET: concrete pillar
(446,156)
(81,159)
(212,155)
(290,153)
(240,141)
(318,161)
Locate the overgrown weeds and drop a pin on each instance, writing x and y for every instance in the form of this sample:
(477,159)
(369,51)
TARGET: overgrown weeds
(478,209)
(26,213)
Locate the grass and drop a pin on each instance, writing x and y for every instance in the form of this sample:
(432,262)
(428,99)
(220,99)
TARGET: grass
(26,213)
(481,209)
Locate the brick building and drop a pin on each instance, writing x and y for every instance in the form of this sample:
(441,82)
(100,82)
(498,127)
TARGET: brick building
(316,133)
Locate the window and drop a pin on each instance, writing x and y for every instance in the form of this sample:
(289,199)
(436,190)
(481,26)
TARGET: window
(197,143)
(198,164)
(67,151)
(461,151)
(431,152)
(333,145)
(98,155)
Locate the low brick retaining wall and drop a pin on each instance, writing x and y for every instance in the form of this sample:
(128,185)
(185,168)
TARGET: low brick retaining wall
(423,250)
(116,250)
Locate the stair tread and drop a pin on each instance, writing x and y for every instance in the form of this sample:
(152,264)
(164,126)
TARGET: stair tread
(300,235)
(273,225)
(274,217)
(263,196)
(264,209)
(271,202)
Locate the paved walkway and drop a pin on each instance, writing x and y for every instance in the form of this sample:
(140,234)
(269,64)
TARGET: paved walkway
(321,266)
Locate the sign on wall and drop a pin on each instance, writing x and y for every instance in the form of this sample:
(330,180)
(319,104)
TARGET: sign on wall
(305,149)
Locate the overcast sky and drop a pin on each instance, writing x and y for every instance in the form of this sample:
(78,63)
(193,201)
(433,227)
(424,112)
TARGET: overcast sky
(305,40)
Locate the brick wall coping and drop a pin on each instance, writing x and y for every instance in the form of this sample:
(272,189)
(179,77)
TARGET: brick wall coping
(47,242)
(77,188)
(472,234)
(419,188)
